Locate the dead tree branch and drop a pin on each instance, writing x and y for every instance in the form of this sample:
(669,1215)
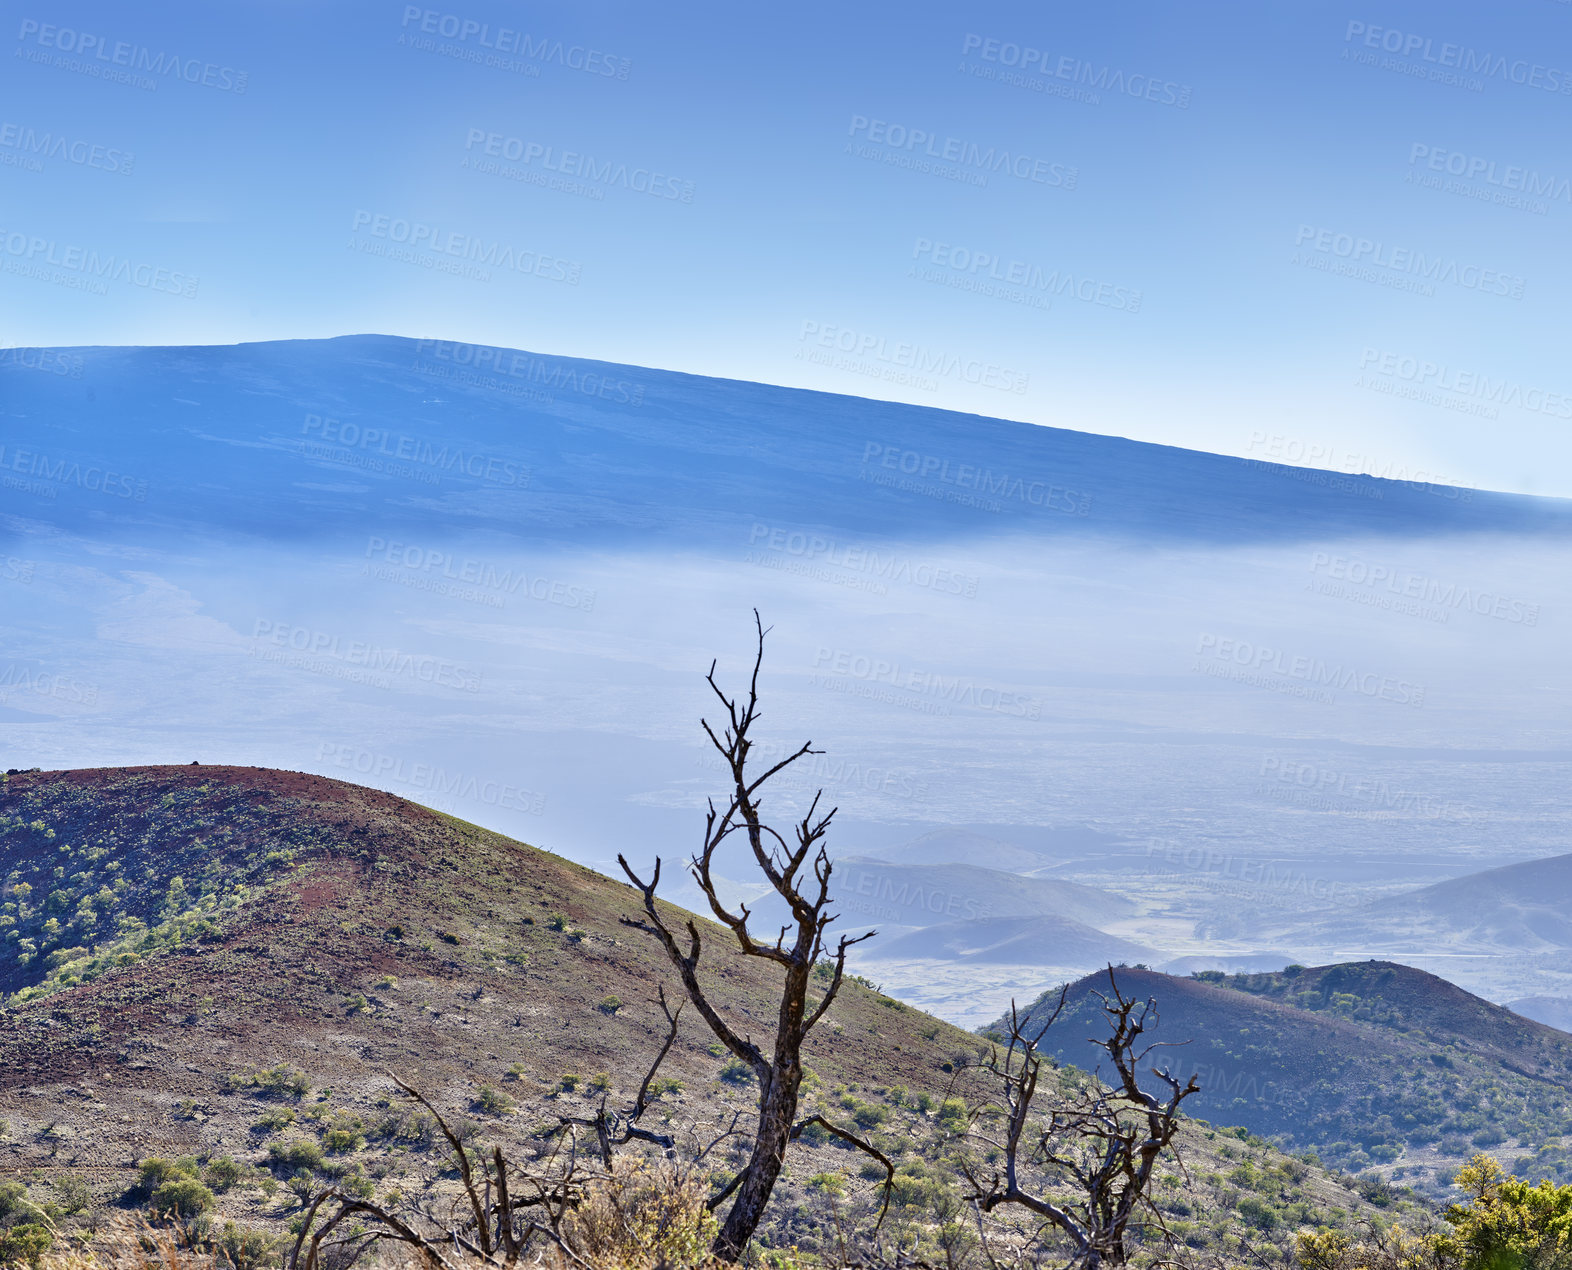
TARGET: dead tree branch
(798,871)
(1105,1140)
(618,1128)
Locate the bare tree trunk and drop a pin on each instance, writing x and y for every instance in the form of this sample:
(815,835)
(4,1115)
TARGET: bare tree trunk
(777,1114)
(799,873)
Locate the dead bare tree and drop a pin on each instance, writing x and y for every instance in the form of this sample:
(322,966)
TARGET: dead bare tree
(1104,1139)
(510,1211)
(799,874)
(618,1128)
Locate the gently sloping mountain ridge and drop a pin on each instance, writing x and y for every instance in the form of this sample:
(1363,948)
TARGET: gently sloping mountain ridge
(246,433)
(1021,941)
(1031,849)
(1534,896)
(1526,906)
(926,894)
(1553,1012)
(343,933)
(962,846)
(1358,1091)
(1231,963)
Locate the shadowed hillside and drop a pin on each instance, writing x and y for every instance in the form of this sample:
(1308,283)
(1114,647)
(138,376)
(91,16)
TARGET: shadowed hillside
(1368,1063)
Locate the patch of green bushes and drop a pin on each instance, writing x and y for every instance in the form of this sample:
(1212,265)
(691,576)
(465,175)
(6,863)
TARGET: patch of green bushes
(294,1155)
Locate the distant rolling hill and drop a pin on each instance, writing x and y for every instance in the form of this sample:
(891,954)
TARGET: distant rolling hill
(1022,941)
(1012,848)
(1414,1003)
(964,846)
(1523,907)
(1504,906)
(1553,1012)
(874,891)
(1367,1063)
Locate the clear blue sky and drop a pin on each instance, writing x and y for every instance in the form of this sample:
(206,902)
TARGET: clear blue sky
(745,198)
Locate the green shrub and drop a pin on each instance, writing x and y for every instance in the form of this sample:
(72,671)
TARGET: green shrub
(293,1156)
(224,1172)
(74,1193)
(870,1115)
(1374,1188)
(1257,1212)
(912,1189)
(736,1072)
(815,1135)
(827,1183)
(646,1215)
(494,1103)
(246,1248)
(282,1080)
(952,1116)
(610,1004)
(184,1196)
(342,1141)
(15,1207)
(154,1171)
(24,1245)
